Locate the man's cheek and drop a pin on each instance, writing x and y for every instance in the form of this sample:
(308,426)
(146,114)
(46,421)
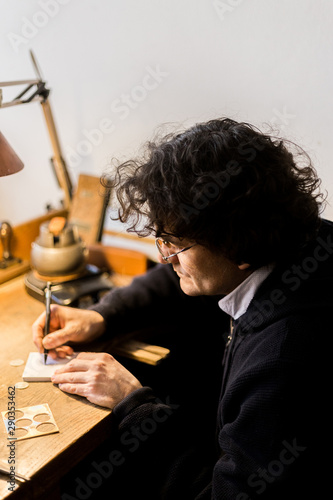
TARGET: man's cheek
(189,287)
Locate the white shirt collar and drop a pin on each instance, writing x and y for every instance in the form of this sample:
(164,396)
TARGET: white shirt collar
(236,302)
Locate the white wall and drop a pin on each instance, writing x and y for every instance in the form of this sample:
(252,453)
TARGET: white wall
(120,68)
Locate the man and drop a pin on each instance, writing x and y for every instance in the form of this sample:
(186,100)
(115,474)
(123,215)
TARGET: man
(236,219)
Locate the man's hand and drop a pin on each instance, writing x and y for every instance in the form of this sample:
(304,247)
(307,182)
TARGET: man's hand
(97,377)
(67,324)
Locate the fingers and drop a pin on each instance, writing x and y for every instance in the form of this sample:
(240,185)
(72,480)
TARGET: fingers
(61,352)
(84,362)
(76,365)
(78,389)
(38,332)
(102,356)
(70,377)
(78,376)
(39,339)
(67,325)
(57,339)
(96,376)
(60,333)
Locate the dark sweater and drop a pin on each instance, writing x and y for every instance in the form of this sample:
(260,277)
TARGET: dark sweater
(271,435)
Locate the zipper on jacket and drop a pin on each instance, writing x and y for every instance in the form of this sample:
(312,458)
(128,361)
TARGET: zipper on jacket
(226,356)
(231,332)
(227,344)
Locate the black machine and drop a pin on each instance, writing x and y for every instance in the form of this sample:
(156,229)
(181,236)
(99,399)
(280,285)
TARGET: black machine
(79,292)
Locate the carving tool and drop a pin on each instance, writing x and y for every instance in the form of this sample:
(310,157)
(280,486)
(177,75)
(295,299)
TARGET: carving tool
(47,292)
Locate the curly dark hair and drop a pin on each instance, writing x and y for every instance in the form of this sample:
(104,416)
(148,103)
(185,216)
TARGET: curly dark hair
(225,185)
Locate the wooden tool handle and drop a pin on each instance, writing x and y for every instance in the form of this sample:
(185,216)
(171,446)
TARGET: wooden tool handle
(6,236)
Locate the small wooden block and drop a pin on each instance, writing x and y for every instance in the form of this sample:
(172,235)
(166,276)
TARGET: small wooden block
(140,351)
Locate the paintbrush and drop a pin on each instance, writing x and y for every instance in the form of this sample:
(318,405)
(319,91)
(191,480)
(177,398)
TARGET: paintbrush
(47,293)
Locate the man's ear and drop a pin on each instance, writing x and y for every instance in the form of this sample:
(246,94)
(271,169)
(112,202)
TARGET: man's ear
(243,266)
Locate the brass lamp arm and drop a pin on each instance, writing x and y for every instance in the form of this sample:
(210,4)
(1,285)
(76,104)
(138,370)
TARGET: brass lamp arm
(41,92)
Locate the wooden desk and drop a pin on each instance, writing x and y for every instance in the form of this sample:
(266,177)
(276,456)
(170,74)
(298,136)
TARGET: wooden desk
(83,426)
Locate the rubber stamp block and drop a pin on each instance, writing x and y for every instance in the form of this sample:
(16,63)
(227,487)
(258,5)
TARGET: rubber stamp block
(36,371)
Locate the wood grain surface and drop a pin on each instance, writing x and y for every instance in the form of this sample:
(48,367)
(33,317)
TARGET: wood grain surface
(83,426)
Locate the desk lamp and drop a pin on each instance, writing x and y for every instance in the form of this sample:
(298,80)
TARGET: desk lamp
(36,90)
(10,163)
(77,283)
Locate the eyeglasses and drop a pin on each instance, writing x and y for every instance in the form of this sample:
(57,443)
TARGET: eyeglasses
(160,243)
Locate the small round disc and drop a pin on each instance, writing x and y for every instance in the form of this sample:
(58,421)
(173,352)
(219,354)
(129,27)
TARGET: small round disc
(16,362)
(21,385)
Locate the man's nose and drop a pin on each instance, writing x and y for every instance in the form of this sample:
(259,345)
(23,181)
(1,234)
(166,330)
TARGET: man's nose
(161,260)
(172,260)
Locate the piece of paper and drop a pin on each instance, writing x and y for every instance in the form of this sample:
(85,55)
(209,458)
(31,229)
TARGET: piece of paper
(36,371)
